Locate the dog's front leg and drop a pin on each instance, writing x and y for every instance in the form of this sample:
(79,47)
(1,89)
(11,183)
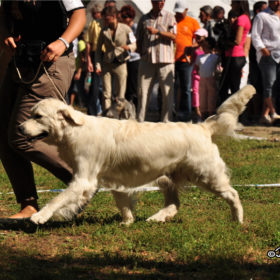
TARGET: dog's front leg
(125,202)
(68,203)
(172,202)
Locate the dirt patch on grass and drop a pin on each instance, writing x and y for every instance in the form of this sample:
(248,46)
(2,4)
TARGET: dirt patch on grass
(4,211)
(271,133)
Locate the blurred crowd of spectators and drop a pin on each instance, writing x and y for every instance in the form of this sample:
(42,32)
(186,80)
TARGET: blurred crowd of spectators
(192,66)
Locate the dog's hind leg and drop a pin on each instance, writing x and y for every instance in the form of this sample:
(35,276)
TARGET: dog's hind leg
(68,203)
(232,198)
(171,200)
(215,179)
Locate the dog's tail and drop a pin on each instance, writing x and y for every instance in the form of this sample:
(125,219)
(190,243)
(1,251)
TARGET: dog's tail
(226,119)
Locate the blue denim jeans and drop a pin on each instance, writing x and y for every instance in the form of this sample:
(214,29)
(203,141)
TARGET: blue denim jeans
(183,72)
(270,76)
(95,91)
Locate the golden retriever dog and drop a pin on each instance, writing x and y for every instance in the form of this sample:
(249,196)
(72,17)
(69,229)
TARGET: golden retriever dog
(125,154)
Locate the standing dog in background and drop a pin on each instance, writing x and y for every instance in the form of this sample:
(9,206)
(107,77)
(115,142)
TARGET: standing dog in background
(124,153)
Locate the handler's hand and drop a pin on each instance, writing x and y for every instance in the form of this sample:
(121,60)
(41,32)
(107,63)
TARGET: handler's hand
(53,51)
(10,44)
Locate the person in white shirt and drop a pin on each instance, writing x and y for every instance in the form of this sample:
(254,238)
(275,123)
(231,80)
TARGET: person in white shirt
(266,40)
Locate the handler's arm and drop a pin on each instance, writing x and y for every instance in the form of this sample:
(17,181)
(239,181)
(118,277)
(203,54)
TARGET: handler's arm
(76,24)
(7,41)
(3,31)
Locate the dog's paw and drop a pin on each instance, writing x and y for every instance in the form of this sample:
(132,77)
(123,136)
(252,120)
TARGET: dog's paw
(40,218)
(164,214)
(156,219)
(127,222)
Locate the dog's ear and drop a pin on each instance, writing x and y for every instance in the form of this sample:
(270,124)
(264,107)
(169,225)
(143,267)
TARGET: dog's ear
(70,115)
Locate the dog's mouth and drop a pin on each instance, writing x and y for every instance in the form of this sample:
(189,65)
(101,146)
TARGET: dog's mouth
(39,136)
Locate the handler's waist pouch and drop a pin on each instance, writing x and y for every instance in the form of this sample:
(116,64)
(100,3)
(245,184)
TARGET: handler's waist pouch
(28,52)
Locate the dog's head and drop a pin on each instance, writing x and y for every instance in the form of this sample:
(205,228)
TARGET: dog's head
(49,120)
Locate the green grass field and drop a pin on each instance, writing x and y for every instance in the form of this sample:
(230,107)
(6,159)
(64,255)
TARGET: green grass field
(201,242)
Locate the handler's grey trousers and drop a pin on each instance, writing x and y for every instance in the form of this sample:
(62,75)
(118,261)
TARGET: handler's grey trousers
(16,101)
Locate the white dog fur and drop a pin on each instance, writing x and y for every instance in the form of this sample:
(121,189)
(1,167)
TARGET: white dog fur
(125,153)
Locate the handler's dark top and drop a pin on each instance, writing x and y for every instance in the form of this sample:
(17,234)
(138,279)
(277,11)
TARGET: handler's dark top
(40,20)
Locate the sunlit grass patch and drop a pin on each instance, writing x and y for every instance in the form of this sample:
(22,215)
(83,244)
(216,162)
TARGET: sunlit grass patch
(201,242)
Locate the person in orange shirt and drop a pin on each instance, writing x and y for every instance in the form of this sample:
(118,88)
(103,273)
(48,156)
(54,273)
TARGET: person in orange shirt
(186,27)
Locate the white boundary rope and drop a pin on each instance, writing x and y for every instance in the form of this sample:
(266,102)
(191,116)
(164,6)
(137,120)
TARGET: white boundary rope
(153,188)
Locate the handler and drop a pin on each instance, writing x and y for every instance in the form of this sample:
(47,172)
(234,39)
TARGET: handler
(39,36)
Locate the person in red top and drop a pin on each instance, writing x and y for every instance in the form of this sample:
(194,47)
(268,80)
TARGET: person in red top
(186,27)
